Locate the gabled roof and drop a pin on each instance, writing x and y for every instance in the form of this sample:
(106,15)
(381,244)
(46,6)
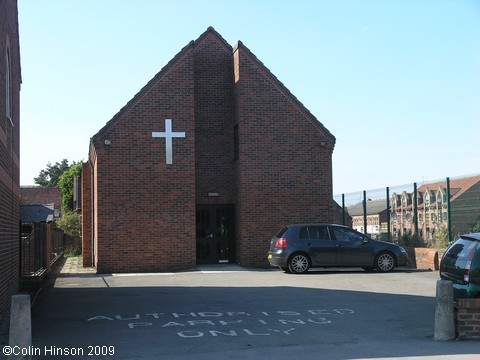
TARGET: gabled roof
(211,31)
(428,193)
(457,186)
(187,49)
(159,76)
(283,89)
(144,90)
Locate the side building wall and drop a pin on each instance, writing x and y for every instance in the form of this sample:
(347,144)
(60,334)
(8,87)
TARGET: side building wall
(9,153)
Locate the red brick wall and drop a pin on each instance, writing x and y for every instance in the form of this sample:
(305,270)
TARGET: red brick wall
(468,319)
(214,120)
(9,156)
(284,173)
(145,209)
(86,215)
(35,195)
(422,258)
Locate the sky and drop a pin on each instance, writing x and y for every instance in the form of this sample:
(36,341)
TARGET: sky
(396,82)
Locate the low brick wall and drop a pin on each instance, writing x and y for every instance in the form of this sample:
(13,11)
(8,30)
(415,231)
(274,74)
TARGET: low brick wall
(467,319)
(422,258)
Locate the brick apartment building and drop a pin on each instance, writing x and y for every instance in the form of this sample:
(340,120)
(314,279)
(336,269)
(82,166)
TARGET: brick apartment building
(10,80)
(432,208)
(204,165)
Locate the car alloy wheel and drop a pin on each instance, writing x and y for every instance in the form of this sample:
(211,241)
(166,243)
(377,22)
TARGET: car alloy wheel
(298,264)
(385,262)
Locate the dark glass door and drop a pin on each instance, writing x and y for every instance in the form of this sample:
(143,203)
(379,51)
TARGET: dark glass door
(215,234)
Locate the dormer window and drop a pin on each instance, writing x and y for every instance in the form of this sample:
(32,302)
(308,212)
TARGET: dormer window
(394,201)
(405,200)
(441,195)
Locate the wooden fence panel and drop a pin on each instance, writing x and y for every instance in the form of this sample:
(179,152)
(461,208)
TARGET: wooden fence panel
(40,249)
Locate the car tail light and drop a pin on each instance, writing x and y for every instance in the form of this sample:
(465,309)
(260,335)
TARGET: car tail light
(466,275)
(281,243)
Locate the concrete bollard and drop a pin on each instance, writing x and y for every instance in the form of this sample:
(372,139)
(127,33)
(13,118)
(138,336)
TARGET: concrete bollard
(444,312)
(20,325)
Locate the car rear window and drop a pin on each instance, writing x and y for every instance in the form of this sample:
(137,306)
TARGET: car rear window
(461,250)
(282,232)
(457,259)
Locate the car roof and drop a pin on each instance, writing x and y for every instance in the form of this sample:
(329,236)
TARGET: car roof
(473,236)
(315,224)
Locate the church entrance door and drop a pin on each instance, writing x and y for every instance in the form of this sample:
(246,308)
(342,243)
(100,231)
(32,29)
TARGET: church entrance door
(215,234)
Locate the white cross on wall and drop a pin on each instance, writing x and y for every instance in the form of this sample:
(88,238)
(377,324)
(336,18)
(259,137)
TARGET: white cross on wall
(168,135)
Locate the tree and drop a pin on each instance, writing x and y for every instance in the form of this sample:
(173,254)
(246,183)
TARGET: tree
(412,240)
(49,177)
(70,221)
(71,224)
(476,228)
(61,175)
(66,185)
(441,237)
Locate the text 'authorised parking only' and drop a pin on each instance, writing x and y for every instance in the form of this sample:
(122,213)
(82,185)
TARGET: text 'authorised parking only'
(189,325)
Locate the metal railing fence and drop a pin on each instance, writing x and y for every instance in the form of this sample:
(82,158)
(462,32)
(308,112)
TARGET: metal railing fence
(426,214)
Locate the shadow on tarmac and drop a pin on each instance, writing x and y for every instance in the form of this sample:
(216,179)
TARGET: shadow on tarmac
(169,320)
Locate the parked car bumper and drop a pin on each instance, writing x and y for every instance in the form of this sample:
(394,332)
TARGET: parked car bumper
(276,259)
(465,291)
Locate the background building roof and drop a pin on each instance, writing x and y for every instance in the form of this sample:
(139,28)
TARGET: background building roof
(36,213)
(373,207)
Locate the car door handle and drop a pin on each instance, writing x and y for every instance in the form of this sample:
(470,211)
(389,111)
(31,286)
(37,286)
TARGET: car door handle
(338,245)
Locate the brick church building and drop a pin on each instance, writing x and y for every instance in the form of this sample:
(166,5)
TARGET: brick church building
(204,165)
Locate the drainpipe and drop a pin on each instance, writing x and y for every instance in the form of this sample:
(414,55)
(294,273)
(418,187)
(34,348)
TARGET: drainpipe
(92,211)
